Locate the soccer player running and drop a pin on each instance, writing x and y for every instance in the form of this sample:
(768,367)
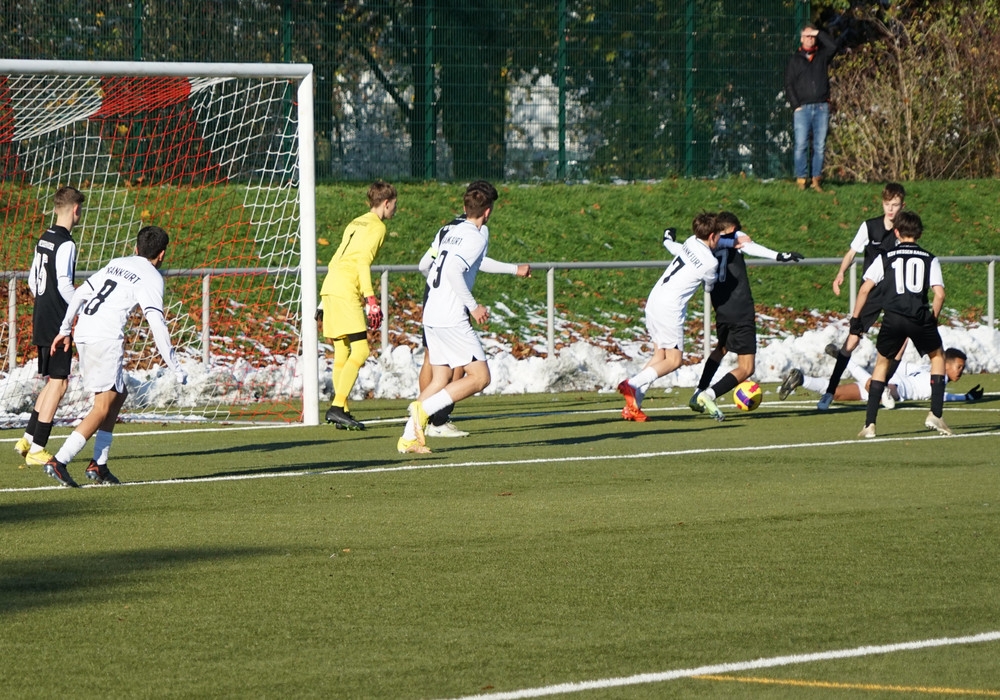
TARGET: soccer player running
(910,382)
(452,343)
(440,424)
(346,292)
(103,304)
(874,238)
(51,283)
(666,310)
(909,274)
(735,315)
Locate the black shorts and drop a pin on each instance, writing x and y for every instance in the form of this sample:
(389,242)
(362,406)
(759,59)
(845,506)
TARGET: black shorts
(872,308)
(739,338)
(55,365)
(896,329)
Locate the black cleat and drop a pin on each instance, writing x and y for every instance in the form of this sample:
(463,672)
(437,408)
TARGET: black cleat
(100,474)
(57,470)
(342,419)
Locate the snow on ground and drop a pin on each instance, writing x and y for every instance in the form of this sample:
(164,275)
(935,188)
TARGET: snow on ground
(578,365)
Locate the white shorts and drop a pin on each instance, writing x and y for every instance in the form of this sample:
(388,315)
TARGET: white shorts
(665,325)
(101,365)
(455,346)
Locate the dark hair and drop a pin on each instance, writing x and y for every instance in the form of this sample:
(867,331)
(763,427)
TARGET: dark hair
(704,225)
(728,218)
(893,190)
(908,224)
(485,187)
(68,196)
(151,241)
(955,354)
(476,202)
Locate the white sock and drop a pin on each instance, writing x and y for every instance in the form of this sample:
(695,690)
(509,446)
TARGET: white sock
(644,378)
(409,432)
(102,446)
(815,384)
(74,443)
(710,393)
(435,403)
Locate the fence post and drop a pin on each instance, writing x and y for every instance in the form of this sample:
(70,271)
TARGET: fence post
(707,315)
(990,289)
(206,331)
(384,328)
(550,304)
(12,324)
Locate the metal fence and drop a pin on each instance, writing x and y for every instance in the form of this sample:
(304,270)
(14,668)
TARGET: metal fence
(549,267)
(461,89)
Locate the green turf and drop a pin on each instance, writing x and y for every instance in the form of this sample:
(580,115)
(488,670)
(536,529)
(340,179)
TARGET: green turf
(555,544)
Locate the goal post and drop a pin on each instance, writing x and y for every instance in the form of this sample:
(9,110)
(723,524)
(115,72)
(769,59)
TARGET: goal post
(221,156)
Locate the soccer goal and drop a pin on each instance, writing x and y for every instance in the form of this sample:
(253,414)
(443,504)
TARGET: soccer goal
(220,156)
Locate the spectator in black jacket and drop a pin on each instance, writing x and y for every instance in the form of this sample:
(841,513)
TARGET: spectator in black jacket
(807,88)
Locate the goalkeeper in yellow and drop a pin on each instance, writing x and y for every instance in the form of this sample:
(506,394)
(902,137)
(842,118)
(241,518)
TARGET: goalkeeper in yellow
(348,305)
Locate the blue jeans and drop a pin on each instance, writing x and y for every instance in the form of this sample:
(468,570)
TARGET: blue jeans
(811,118)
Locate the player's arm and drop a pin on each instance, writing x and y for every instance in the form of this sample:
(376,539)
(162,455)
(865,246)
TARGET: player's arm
(365,259)
(453,271)
(65,269)
(855,324)
(937,285)
(857,246)
(427,260)
(759,251)
(151,302)
(84,293)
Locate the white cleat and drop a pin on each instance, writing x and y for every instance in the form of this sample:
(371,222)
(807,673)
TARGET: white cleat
(938,424)
(448,430)
(868,432)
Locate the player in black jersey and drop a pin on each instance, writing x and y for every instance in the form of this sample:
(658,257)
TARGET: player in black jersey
(51,282)
(735,316)
(874,238)
(907,274)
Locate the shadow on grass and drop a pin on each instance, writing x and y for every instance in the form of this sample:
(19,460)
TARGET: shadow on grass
(311,467)
(74,579)
(49,510)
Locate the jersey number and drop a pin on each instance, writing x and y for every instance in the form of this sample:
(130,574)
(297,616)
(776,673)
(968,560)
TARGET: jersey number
(672,269)
(440,265)
(95,302)
(42,276)
(909,274)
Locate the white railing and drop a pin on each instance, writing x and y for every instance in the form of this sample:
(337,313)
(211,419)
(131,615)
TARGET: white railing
(549,268)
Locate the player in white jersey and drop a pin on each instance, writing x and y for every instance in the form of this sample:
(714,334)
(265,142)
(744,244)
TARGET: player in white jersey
(451,341)
(103,304)
(666,310)
(440,422)
(910,382)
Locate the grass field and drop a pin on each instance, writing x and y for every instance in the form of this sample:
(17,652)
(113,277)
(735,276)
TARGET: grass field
(555,545)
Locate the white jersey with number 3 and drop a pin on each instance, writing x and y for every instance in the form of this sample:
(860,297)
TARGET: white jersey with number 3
(452,275)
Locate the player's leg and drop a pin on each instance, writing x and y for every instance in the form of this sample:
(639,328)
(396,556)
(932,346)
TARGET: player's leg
(345,322)
(869,314)
(712,363)
(440,424)
(56,370)
(927,341)
(98,470)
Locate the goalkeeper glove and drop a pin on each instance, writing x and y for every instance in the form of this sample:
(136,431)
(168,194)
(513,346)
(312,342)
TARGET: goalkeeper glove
(669,234)
(975,393)
(319,314)
(790,256)
(374,312)
(856,327)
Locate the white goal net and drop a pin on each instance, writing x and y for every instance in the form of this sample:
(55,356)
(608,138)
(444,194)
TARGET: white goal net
(221,157)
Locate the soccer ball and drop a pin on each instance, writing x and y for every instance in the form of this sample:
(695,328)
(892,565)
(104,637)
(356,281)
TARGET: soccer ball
(747,396)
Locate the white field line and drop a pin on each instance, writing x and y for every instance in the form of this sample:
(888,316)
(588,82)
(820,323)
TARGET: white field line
(736,667)
(499,462)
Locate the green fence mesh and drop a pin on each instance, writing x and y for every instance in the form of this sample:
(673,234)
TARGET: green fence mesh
(458,89)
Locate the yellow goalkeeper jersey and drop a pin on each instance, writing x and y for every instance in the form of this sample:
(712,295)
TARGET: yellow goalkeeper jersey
(350,271)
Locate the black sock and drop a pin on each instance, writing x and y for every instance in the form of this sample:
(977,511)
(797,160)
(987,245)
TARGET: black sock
(725,385)
(32,424)
(707,374)
(875,391)
(838,371)
(41,435)
(441,417)
(937,394)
